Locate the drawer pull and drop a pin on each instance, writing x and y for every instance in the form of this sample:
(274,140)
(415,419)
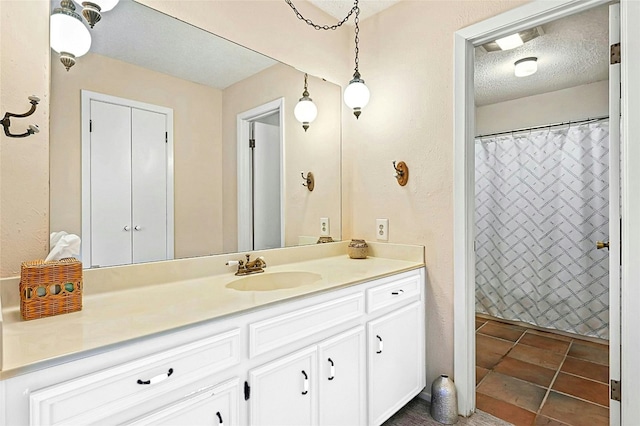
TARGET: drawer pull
(380,345)
(157,379)
(395,293)
(305,383)
(220,418)
(332,370)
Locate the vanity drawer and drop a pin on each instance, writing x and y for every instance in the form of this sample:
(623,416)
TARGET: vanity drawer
(281,330)
(400,291)
(93,398)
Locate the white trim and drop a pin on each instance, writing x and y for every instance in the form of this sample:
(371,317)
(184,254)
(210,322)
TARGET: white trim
(630,107)
(526,16)
(85,111)
(245,232)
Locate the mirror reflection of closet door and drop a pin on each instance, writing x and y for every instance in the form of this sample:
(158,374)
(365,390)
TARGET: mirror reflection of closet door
(128,185)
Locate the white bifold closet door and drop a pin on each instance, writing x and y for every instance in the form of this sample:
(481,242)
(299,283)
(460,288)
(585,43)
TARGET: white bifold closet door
(128,185)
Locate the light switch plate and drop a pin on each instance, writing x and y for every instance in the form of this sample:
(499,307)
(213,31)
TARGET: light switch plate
(324,227)
(382,229)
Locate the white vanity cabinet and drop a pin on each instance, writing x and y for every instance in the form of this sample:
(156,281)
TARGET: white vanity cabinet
(351,356)
(323,384)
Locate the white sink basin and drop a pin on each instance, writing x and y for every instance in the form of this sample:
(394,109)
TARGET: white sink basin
(274,281)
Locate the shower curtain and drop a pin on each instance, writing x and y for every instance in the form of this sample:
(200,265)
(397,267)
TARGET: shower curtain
(541,204)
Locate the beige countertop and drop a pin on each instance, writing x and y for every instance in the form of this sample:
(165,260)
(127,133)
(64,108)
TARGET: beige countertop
(123,303)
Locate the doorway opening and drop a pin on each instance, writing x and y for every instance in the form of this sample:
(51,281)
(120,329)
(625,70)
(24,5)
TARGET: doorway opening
(260,177)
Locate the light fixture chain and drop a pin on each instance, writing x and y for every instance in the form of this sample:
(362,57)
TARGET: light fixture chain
(354,9)
(357,38)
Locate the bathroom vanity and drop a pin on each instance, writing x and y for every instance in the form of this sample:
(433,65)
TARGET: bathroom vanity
(345,347)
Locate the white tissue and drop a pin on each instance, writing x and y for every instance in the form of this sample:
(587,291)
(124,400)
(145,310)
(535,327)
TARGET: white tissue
(63,245)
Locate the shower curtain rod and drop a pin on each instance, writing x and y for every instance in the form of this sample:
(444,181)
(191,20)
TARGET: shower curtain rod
(548,126)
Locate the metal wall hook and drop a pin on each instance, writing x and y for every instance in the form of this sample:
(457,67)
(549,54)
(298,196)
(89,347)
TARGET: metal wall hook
(33,128)
(402,173)
(309,180)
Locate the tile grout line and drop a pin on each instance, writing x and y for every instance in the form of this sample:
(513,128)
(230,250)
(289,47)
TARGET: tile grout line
(555,376)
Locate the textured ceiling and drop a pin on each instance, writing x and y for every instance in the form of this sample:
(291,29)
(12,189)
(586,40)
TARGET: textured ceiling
(141,36)
(573,51)
(339,8)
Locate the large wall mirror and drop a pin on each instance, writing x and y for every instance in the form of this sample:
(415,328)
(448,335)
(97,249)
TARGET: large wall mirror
(149,76)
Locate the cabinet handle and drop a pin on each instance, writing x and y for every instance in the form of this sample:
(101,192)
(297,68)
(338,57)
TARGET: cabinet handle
(395,293)
(380,345)
(332,370)
(157,379)
(305,384)
(137,227)
(127,228)
(220,418)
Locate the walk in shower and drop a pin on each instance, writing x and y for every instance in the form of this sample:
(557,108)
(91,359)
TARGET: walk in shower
(541,205)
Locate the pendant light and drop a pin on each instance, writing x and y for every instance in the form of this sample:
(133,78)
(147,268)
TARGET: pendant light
(68,35)
(357,94)
(92,10)
(305,110)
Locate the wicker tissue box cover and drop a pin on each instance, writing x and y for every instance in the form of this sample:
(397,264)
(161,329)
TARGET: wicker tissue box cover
(50,288)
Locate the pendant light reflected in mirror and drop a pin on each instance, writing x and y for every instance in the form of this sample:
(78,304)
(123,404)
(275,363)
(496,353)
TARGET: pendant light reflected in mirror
(305,110)
(68,35)
(92,10)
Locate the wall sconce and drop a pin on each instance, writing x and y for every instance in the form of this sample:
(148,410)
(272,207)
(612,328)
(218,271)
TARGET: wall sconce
(6,122)
(68,35)
(357,94)
(309,181)
(91,10)
(402,173)
(525,66)
(305,110)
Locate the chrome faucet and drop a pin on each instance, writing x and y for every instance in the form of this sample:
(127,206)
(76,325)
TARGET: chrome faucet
(249,267)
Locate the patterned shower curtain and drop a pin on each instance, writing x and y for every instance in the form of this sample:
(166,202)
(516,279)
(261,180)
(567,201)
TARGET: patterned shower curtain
(541,204)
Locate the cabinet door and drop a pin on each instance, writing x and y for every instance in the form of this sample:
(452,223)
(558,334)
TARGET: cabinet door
(110,184)
(284,392)
(212,407)
(396,361)
(149,185)
(342,379)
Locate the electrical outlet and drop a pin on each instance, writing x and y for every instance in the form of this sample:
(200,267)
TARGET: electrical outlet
(324,227)
(382,229)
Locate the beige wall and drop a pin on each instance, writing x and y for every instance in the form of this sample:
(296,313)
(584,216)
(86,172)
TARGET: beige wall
(24,163)
(406,59)
(317,150)
(574,103)
(197,145)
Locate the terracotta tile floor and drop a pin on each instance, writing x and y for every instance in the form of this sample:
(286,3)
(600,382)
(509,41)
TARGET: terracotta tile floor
(531,377)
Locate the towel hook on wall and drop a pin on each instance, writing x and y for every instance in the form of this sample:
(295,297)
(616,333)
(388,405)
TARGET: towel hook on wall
(402,173)
(309,181)
(33,128)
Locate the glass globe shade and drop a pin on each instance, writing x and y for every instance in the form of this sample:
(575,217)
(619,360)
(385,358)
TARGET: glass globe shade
(525,67)
(305,111)
(105,5)
(68,34)
(356,95)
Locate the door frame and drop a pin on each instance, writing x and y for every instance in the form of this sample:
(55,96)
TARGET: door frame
(526,16)
(245,233)
(85,110)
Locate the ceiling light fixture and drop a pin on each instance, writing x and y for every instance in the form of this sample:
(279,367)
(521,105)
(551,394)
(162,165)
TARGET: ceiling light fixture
(357,94)
(305,110)
(510,42)
(514,40)
(92,10)
(68,36)
(526,66)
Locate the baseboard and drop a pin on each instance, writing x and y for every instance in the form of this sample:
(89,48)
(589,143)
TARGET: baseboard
(425,395)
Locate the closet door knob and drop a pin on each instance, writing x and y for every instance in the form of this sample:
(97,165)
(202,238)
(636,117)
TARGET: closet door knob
(127,228)
(137,227)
